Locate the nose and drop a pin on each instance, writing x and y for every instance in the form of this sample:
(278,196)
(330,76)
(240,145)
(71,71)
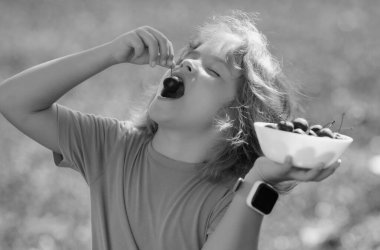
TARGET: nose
(187,66)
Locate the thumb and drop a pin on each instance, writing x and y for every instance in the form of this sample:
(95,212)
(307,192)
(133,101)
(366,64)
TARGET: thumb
(288,163)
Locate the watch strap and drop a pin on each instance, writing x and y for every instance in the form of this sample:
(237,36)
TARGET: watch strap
(237,185)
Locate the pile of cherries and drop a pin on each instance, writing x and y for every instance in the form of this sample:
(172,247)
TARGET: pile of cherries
(301,126)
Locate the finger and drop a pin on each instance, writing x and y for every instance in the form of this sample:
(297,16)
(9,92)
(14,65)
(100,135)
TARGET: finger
(325,173)
(138,46)
(162,43)
(152,44)
(328,171)
(337,163)
(306,174)
(288,163)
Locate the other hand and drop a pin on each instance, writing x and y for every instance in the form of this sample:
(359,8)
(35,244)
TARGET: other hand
(275,173)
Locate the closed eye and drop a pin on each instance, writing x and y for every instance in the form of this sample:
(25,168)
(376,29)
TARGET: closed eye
(214,72)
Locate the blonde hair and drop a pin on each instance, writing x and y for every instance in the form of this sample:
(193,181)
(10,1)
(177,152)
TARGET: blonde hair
(263,95)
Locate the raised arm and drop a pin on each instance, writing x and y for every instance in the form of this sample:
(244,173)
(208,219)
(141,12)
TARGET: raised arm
(27,99)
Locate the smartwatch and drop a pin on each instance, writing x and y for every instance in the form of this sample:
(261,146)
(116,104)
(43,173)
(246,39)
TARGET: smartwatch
(262,197)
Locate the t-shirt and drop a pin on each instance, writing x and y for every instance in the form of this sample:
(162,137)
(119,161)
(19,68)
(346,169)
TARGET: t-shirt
(140,199)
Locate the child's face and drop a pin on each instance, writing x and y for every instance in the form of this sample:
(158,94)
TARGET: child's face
(210,84)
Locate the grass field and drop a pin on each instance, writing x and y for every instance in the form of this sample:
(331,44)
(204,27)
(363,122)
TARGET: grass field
(331,48)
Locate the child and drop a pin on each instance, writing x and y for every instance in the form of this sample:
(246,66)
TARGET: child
(164,181)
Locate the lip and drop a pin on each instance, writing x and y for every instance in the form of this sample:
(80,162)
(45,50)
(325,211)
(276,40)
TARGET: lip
(178,74)
(159,97)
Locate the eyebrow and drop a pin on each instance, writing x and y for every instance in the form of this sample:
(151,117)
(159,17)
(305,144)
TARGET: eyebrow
(215,58)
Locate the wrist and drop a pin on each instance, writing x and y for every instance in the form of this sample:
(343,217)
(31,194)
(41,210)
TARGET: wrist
(111,54)
(241,191)
(244,186)
(281,186)
(258,196)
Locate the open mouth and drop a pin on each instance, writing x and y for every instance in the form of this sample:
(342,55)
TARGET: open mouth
(173,87)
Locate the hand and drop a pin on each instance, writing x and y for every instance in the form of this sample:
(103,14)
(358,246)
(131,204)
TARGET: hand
(275,173)
(142,46)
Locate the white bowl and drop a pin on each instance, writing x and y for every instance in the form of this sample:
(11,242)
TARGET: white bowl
(307,151)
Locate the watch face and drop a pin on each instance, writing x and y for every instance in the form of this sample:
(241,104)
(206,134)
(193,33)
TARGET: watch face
(264,199)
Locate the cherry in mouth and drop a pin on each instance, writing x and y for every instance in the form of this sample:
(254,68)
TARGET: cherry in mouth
(173,87)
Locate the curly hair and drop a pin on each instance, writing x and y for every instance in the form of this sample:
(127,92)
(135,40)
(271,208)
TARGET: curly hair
(263,94)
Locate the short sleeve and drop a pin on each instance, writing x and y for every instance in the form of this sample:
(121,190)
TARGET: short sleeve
(218,212)
(86,141)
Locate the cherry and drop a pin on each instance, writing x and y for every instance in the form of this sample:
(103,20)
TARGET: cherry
(316,128)
(271,125)
(338,136)
(301,123)
(301,126)
(173,87)
(285,126)
(325,132)
(299,131)
(311,133)
(171,82)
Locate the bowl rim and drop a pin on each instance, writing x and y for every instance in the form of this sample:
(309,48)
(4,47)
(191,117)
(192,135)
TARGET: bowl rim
(262,125)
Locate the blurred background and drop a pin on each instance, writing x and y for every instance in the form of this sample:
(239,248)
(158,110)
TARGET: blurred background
(331,48)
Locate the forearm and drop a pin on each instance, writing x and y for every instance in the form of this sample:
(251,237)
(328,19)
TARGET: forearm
(240,226)
(39,87)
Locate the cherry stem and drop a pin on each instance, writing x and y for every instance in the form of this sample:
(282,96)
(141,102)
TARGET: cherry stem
(328,125)
(341,121)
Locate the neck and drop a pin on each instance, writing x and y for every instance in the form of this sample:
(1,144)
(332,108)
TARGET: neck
(184,146)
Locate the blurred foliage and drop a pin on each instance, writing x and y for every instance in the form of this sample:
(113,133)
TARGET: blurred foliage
(330,48)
